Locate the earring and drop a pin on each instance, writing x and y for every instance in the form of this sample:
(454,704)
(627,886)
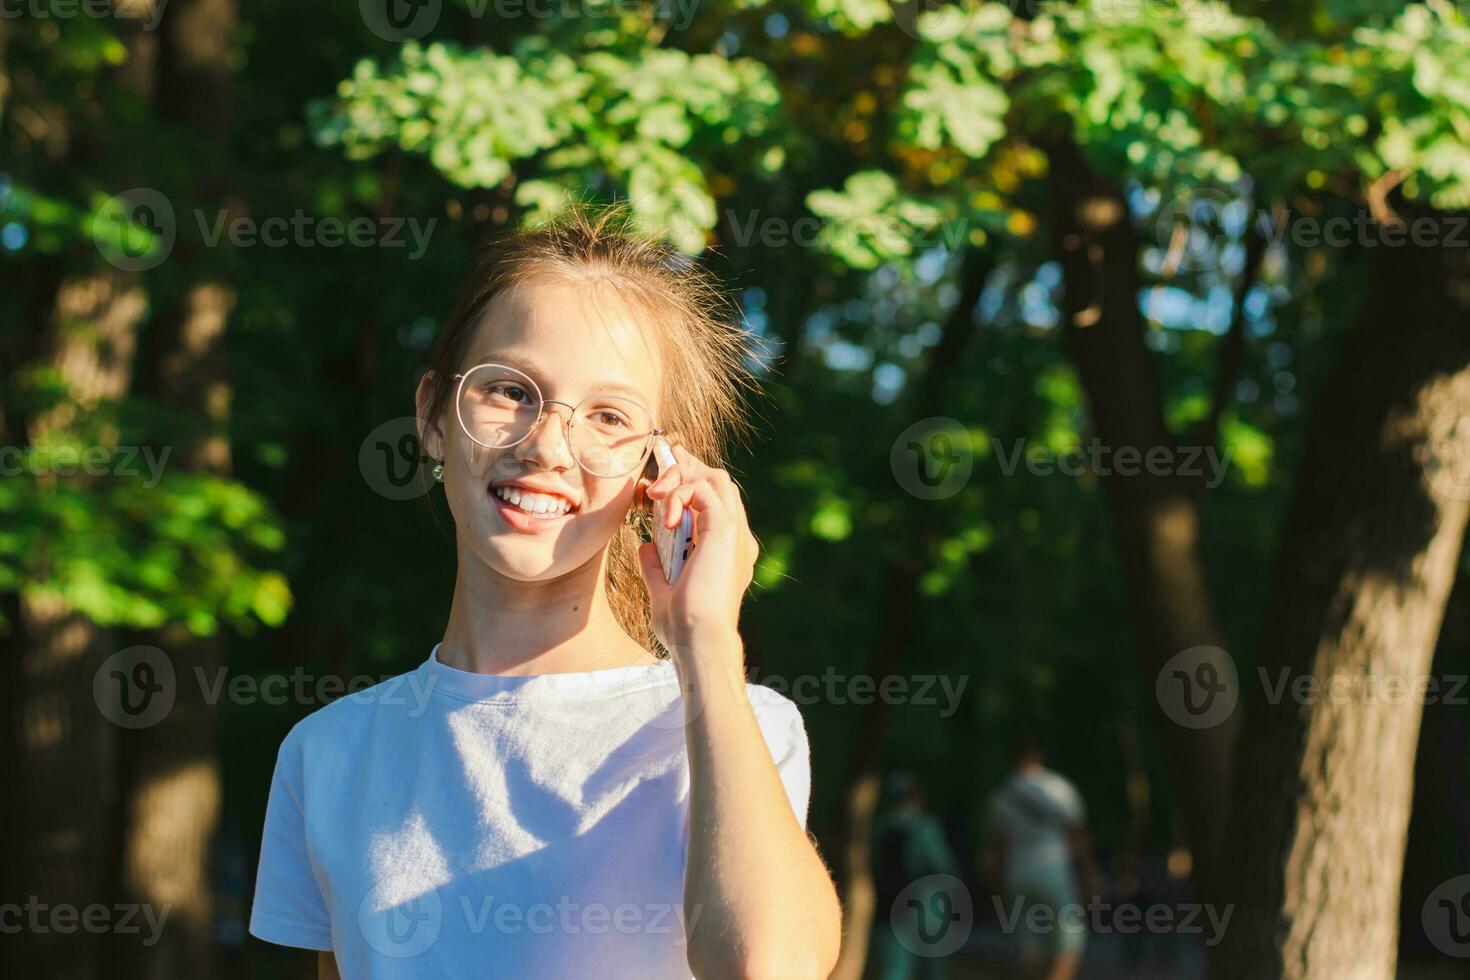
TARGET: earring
(439,472)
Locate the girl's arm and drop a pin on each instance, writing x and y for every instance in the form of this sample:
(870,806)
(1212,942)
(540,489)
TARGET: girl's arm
(757,897)
(757,894)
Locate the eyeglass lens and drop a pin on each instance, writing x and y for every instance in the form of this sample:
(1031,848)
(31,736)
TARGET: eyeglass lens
(499,406)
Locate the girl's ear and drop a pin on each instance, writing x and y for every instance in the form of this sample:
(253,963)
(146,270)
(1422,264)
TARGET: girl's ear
(646,476)
(431,437)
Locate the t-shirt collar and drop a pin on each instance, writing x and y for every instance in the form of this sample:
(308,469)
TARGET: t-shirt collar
(583,685)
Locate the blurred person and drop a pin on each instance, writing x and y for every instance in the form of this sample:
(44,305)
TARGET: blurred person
(1038,851)
(909,845)
(577,781)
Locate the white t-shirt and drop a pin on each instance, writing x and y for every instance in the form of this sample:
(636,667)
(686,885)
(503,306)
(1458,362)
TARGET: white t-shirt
(1034,811)
(450,824)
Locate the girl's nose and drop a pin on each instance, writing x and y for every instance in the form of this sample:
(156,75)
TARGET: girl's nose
(547,444)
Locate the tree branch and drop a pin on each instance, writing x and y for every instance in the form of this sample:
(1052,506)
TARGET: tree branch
(1232,347)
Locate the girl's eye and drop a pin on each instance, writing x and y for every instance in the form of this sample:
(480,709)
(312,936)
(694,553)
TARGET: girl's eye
(610,419)
(508,391)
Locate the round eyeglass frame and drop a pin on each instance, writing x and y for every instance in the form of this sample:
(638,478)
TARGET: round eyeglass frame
(541,414)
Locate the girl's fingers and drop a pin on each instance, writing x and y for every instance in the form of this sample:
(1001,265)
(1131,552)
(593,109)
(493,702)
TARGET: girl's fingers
(667,480)
(695,469)
(700,497)
(691,466)
(691,472)
(724,486)
(671,478)
(728,490)
(653,573)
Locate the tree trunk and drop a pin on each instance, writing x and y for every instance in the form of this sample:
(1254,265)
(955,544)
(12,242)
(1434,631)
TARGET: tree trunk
(1439,830)
(1367,562)
(64,793)
(1155,515)
(82,327)
(895,630)
(859,894)
(172,771)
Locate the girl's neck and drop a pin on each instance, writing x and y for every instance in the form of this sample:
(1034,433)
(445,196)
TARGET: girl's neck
(566,625)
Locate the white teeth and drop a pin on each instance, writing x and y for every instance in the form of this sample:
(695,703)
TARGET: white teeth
(540,504)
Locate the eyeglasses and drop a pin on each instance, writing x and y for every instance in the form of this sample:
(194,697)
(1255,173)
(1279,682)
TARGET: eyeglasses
(498,407)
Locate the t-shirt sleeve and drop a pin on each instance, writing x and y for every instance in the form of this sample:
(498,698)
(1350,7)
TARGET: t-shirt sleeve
(288,909)
(1072,805)
(785,732)
(934,853)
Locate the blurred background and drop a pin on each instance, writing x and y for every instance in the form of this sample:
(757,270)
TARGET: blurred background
(1116,391)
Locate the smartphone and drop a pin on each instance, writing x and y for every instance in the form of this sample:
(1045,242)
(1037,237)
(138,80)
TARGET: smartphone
(673,543)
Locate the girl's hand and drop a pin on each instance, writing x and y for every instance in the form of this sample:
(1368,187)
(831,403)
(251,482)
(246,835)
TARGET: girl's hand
(704,604)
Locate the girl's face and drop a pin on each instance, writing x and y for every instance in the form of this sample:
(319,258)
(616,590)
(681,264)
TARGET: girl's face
(572,341)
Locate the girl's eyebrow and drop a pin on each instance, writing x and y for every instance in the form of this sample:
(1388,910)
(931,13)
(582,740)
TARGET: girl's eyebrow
(512,359)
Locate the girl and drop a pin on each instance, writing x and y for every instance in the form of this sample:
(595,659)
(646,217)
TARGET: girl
(577,781)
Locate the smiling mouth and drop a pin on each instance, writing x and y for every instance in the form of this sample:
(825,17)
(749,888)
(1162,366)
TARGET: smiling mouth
(542,505)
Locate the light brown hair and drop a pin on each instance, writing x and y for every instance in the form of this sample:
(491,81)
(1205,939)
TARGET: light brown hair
(704,354)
